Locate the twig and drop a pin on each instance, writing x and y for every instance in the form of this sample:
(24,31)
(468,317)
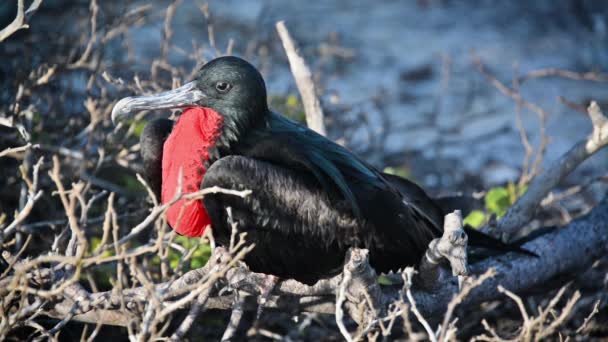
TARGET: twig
(195,309)
(524,209)
(518,301)
(529,172)
(81,62)
(341,298)
(557,322)
(160,209)
(33,195)
(13,150)
(575,245)
(303,77)
(19,22)
(553,72)
(458,298)
(588,318)
(408,274)
(167,32)
(240,319)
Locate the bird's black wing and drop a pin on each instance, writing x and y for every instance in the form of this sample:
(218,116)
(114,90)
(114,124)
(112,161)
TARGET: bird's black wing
(298,231)
(366,189)
(288,143)
(336,167)
(151,144)
(394,217)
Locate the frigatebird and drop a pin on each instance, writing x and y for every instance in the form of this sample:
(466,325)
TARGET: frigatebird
(312,199)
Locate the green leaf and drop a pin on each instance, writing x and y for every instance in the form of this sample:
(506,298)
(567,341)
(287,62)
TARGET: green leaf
(199,257)
(475,219)
(400,171)
(498,201)
(385,281)
(289,106)
(130,183)
(139,128)
(95,241)
(292,101)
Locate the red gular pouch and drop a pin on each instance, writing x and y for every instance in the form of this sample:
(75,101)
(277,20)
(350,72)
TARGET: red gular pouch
(187,148)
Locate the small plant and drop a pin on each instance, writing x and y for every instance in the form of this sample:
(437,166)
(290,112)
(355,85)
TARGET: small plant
(289,105)
(200,256)
(497,201)
(400,171)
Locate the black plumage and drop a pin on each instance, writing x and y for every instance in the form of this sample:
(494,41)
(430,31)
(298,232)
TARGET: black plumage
(312,198)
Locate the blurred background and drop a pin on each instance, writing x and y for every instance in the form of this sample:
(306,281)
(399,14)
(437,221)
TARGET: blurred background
(455,95)
(398,78)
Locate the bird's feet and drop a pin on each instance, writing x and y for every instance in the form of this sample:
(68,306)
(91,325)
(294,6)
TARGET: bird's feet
(452,246)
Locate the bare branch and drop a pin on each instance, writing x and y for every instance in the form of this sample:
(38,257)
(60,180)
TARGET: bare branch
(341,298)
(408,274)
(588,318)
(19,22)
(33,195)
(553,72)
(303,77)
(13,150)
(525,207)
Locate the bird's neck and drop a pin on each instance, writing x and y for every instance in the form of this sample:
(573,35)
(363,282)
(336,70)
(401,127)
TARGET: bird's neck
(187,150)
(239,130)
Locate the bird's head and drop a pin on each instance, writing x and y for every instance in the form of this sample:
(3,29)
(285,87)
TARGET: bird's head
(227,85)
(224,101)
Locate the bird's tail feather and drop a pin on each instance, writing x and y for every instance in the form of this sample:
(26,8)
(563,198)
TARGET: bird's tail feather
(479,239)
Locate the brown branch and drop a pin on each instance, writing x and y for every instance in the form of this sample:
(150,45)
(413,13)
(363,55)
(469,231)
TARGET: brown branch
(534,328)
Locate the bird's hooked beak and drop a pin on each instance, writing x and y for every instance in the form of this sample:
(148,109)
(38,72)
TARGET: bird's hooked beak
(184,96)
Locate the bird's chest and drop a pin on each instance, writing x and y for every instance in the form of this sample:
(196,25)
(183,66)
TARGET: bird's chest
(185,153)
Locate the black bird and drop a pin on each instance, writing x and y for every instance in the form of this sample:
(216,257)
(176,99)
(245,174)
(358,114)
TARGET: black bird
(312,199)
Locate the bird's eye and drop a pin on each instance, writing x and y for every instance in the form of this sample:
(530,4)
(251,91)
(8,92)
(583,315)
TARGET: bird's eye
(222,87)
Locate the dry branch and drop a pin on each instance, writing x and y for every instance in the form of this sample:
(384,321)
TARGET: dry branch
(19,22)
(524,209)
(576,245)
(12,150)
(50,284)
(553,72)
(303,77)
